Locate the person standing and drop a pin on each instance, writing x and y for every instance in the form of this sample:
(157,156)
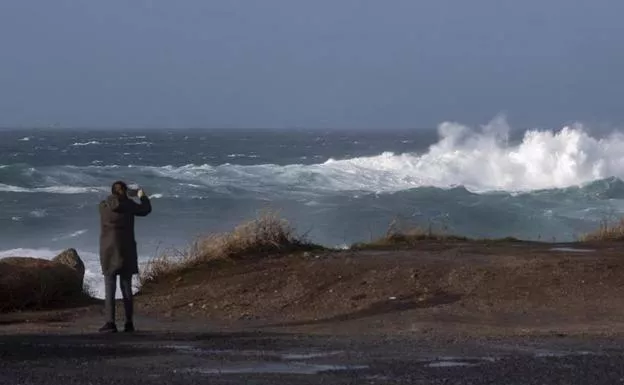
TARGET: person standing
(118,251)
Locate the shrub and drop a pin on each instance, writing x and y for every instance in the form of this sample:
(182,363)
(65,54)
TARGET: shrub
(405,235)
(607,231)
(267,234)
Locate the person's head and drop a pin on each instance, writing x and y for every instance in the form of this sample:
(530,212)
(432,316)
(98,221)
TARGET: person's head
(119,189)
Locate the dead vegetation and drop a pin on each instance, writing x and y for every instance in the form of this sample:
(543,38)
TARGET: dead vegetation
(265,235)
(402,234)
(268,234)
(607,231)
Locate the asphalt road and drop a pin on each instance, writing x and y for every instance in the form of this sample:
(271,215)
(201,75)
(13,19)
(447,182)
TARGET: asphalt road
(273,358)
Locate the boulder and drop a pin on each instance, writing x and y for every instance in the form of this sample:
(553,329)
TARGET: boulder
(27,283)
(71,258)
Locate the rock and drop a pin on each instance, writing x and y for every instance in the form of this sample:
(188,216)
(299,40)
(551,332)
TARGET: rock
(38,283)
(71,258)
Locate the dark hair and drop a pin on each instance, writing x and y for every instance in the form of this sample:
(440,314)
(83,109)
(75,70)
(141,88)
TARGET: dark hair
(119,188)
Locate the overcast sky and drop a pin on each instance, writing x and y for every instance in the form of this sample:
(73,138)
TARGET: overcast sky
(312,63)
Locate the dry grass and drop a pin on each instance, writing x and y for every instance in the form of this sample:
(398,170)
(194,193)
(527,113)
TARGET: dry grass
(267,234)
(607,231)
(405,235)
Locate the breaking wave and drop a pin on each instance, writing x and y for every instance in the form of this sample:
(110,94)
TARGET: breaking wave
(481,160)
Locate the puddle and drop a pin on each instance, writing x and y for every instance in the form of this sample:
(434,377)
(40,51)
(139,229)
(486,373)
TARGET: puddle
(307,356)
(558,354)
(274,368)
(473,359)
(572,250)
(289,356)
(453,361)
(449,364)
(184,348)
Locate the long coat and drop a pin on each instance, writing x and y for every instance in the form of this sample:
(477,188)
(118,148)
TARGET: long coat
(118,251)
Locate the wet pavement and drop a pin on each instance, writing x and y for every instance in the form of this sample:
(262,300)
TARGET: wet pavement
(273,358)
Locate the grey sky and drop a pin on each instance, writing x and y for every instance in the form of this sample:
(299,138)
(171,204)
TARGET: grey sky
(321,63)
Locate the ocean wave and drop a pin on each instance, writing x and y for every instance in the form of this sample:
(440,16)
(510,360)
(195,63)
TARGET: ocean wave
(90,143)
(25,139)
(485,161)
(482,160)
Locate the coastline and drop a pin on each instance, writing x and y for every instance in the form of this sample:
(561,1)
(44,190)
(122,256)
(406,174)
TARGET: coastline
(468,312)
(465,287)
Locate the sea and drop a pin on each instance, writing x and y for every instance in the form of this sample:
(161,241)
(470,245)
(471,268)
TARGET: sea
(336,187)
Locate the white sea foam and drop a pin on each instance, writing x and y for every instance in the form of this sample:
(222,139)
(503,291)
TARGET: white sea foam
(484,160)
(38,213)
(243,156)
(90,143)
(25,139)
(34,253)
(71,235)
(51,189)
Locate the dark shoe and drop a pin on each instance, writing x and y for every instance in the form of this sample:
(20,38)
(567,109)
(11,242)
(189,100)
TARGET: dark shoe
(129,327)
(108,327)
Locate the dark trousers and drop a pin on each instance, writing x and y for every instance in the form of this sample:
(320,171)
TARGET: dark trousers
(110,286)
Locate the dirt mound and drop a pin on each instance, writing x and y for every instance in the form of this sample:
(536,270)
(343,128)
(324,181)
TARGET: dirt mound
(458,282)
(27,283)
